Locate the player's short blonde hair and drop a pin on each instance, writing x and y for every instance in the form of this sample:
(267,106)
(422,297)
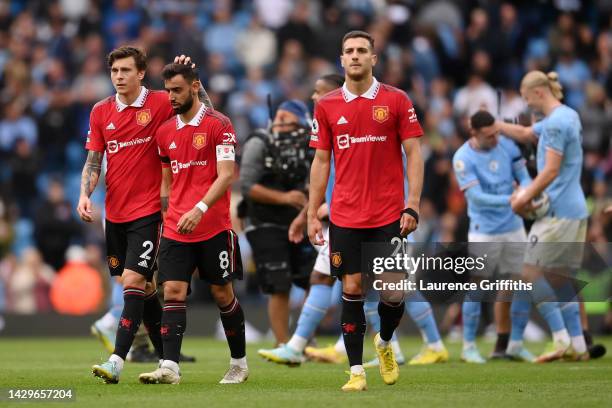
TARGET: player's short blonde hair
(538,78)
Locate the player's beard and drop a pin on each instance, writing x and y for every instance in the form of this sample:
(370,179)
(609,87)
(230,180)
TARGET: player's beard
(357,77)
(183,108)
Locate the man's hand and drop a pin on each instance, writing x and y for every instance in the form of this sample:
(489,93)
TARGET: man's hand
(315,231)
(189,221)
(184,59)
(323,211)
(295,198)
(85,209)
(521,203)
(407,224)
(296,229)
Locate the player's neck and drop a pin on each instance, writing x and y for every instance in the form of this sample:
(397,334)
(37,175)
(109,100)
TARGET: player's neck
(550,106)
(187,116)
(130,98)
(476,144)
(359,87)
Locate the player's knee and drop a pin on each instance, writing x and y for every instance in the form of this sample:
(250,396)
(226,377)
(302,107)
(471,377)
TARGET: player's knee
(317,278)
(174,291)
(133,279)
(222,295)
(393,298)
(352,287)
(150,287)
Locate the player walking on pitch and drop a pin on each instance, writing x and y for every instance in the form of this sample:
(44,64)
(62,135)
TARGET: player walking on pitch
(197,148)
(366,123)
(123,126)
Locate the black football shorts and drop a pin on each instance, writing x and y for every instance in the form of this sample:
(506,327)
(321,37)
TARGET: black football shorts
(345,245)
(217,259)
(133,245)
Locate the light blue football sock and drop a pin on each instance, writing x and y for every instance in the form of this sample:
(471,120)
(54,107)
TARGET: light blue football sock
(420,311)
(315,308)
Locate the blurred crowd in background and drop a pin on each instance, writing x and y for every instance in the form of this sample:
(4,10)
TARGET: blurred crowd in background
(451,57)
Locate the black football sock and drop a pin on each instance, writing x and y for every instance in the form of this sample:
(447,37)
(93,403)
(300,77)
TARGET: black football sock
(151,317)
(502,342)
(173,324)
(390,318)
(232,318)
(588,338)
(353,327)
(130,320)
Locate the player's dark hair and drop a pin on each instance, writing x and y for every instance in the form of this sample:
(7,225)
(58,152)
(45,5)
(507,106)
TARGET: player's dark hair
(481,119)
(333,79)
(140,57)
(172,70)
(358,34)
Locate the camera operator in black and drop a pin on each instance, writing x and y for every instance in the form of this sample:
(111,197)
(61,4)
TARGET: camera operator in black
(273,176)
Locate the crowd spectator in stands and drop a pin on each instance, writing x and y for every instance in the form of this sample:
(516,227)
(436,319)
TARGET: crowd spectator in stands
(29,284)
(55,226)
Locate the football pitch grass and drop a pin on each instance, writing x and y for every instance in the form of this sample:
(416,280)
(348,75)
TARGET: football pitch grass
(44,363)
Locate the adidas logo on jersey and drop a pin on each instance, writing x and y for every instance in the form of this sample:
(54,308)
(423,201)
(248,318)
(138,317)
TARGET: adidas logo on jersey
(172,145)
(342,121)
(225,274)
(143,263)
(110,126)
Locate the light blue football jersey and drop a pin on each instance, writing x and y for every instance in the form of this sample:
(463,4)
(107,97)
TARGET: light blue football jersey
(494,171)
(561,131)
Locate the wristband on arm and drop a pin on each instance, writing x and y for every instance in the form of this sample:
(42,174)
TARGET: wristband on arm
(411,213)
(201,206)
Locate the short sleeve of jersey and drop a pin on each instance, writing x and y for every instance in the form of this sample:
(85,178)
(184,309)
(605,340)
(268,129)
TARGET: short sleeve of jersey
(408,124)
(320,136)
(464,171)
(163,155)
(95,139)
(553,136)
(537,128)
(225,142)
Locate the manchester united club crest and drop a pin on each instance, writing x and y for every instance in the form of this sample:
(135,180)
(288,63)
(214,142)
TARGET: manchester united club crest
(336,259)
(143,117)
(113,261)
(380,113)
(199,140)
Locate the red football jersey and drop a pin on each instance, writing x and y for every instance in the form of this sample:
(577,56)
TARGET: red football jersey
(127,134)
(192,150)
(365,133)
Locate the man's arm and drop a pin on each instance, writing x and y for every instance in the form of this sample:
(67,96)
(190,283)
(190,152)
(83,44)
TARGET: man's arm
(477,196)
(225,175)
(296,228)
(414,174)
(319,175)
(522,134)
(89,180)
(543,179)
(265,195)
(521,175)
(204,98)
(166,184)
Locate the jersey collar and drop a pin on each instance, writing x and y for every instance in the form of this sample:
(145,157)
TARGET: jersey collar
(138,103)
(195,121)
(369,94)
